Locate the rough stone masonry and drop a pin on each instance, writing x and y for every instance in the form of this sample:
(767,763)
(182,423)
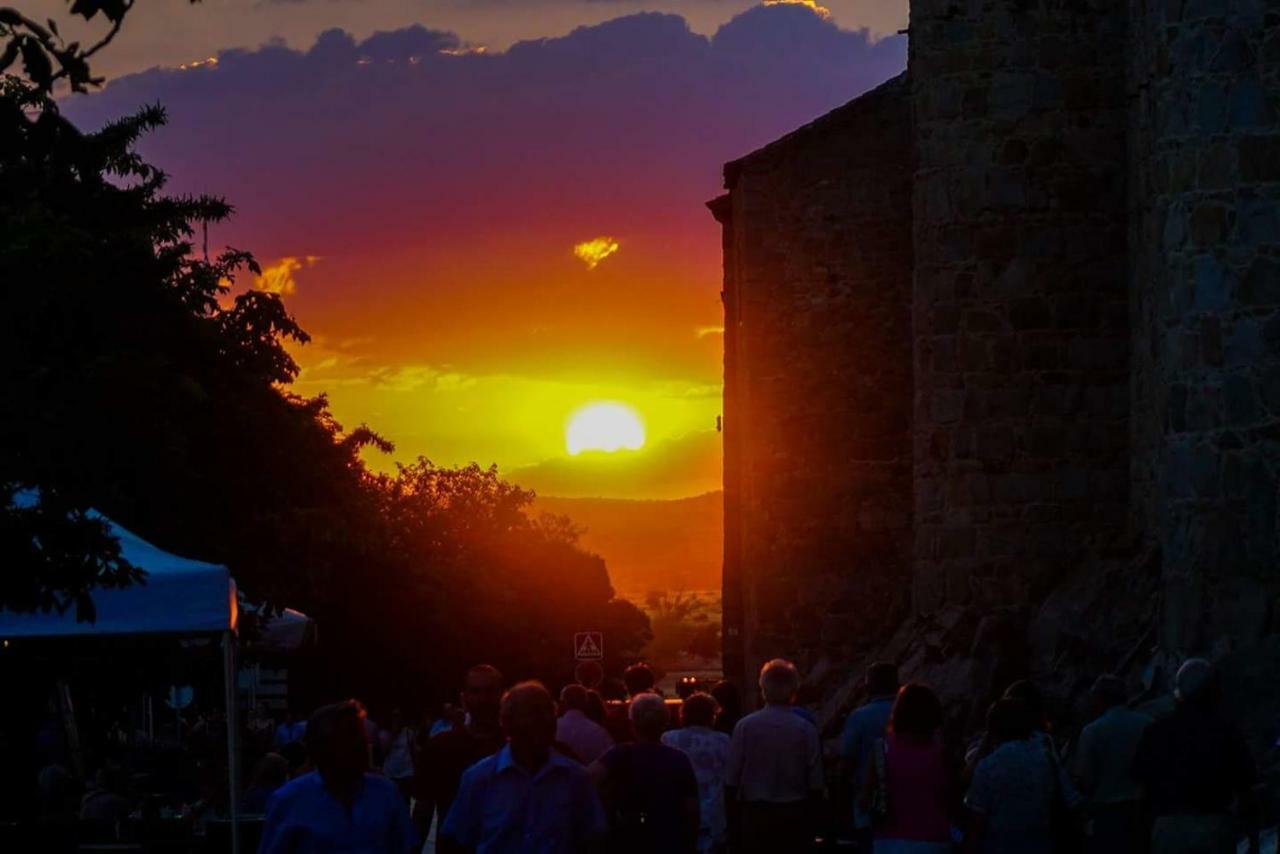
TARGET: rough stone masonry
(1002,359)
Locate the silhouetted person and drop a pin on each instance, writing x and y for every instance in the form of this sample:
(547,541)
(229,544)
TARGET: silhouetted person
(864,726)
(453,751)
(907,791)
(708,750)
(649,788)
(590,675)
(397,753)
(526,797)
(1033,701)
(1195,766)
(291,729)
(271,773)
(729,698)
(105,802)
(1103,766)
(1013,800)
(638,679)
(586,738)
(339,806)
(773,783)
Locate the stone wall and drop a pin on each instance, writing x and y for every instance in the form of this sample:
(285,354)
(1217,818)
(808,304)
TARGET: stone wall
(1021,303)
(817,238)
(1089,464)
(1206,288)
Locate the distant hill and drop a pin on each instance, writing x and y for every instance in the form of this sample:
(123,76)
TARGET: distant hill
(651,545)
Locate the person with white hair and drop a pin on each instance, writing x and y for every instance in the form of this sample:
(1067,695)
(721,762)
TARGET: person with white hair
(649,789)
(774,780)
(1197,771)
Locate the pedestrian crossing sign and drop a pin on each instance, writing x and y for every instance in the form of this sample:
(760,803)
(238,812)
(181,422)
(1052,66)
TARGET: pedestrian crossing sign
(588,646)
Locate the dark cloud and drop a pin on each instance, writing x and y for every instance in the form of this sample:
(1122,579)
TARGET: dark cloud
(442,182)
(669,469)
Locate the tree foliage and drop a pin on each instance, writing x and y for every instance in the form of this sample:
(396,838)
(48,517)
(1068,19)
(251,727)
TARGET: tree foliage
(138,379)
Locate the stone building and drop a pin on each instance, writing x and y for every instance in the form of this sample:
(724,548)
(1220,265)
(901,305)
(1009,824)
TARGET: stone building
(1002,356)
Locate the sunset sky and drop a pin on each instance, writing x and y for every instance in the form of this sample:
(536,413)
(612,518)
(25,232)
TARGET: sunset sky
(483,242)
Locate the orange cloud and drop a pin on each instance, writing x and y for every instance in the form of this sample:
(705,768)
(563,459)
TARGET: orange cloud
(592,252)
(278,278)
(818,9)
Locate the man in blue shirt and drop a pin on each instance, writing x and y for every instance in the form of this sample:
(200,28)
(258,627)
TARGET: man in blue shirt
(863,726)
(338,807)
(526,799)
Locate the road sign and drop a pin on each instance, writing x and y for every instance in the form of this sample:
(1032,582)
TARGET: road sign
(588,646)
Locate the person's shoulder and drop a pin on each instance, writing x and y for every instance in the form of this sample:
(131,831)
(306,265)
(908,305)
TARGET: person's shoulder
(676,757)
(483,767)
(563,764)
(300,786)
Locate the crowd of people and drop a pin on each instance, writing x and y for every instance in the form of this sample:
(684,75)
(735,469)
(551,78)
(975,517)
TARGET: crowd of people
(515,770)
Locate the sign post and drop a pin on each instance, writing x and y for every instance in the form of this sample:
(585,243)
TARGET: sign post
(588,646)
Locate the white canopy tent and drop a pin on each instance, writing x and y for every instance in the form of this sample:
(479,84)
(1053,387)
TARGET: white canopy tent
(179,597)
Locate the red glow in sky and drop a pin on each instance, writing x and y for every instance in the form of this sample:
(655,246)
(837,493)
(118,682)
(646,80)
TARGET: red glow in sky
(482,243)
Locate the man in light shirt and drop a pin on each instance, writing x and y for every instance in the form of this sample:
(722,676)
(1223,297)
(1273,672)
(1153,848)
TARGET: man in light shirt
(526,798)
(586,738)
(773,781)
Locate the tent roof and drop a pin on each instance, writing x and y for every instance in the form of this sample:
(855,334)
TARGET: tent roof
(179,596)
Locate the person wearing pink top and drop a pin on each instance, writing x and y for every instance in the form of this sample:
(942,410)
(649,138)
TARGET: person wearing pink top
(908,786)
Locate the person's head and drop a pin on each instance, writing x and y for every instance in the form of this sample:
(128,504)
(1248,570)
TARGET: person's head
(1108,692)
(1009,720)
(295,753)
(698,709)
(1195,683)
(648,713)
(1026,691)
(482,695)
(882,679)
(528,715)
(613,689)
(726,693)
(573,698)
(638,679)
(588,674)
(337,741)
(271,773)
(779,681)
(917,714)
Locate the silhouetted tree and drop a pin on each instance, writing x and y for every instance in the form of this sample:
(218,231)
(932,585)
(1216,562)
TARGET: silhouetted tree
(135,382)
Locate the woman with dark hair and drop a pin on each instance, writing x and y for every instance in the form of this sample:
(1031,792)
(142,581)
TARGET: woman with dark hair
(729,698)
(908,785)
(1033,701)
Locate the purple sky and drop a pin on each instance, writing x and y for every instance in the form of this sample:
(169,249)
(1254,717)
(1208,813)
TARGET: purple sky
(420,205)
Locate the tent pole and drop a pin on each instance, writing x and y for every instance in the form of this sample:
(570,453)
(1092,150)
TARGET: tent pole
(233,736)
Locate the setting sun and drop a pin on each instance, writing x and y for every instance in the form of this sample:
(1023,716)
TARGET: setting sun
(604,427)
